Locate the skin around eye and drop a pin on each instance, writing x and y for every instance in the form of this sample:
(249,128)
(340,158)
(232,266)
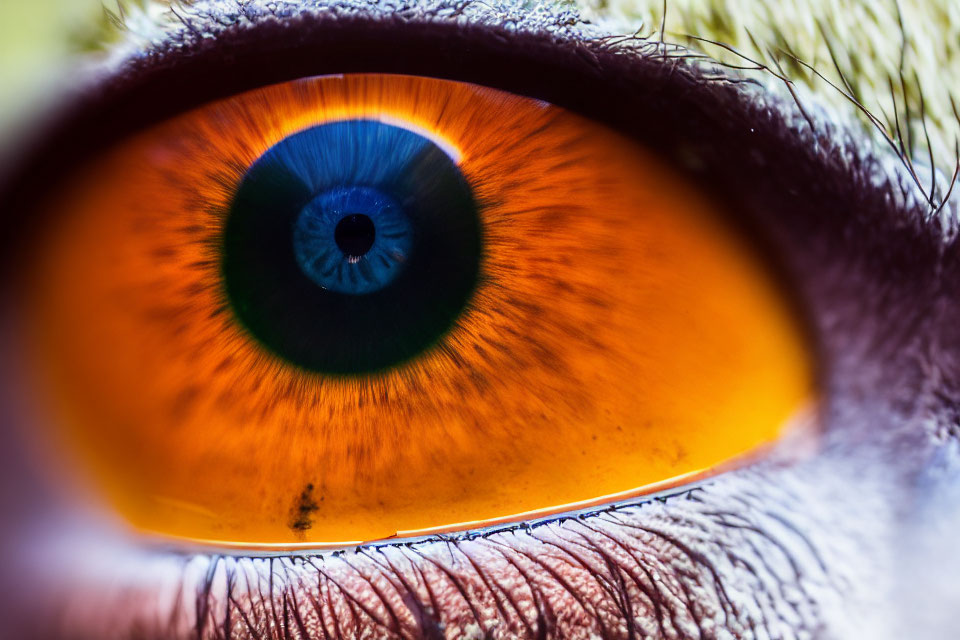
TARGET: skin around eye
(345,308)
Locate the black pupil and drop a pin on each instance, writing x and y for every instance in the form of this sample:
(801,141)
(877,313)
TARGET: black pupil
(355,234)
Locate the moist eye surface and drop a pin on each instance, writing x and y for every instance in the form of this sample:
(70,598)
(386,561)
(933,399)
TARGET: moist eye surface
(351,307)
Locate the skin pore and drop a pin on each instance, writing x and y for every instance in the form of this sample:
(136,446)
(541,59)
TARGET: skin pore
(850,540)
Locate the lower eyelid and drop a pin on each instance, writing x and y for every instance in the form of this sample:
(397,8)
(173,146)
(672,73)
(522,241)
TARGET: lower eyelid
(734,555)
(585,578)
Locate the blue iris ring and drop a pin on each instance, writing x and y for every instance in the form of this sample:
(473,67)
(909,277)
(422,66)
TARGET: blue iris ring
(354,240)
(305,233)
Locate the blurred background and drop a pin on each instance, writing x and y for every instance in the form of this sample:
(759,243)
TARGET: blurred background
(38,40)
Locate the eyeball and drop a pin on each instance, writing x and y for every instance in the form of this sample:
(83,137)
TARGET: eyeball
(348,308)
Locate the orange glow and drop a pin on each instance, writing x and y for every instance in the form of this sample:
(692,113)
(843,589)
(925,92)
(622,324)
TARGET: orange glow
(621,335)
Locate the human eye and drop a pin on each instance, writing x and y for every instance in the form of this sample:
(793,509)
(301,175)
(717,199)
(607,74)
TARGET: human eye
(802,248)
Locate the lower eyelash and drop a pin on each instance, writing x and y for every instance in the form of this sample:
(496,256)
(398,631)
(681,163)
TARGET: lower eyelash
(660,570)
(725,556)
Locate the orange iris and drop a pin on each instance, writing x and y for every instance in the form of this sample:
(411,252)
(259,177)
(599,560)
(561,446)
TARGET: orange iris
(620,337)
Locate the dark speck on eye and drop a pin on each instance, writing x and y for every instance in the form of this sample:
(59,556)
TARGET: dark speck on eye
(301,517)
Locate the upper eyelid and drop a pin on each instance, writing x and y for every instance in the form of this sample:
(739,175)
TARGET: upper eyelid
(208,19)
(155,45)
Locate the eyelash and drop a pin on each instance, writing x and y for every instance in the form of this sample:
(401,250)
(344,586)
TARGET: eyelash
(231,566)
(566,72)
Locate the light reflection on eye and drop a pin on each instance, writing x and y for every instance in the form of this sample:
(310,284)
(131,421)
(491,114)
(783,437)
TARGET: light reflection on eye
(290,317)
